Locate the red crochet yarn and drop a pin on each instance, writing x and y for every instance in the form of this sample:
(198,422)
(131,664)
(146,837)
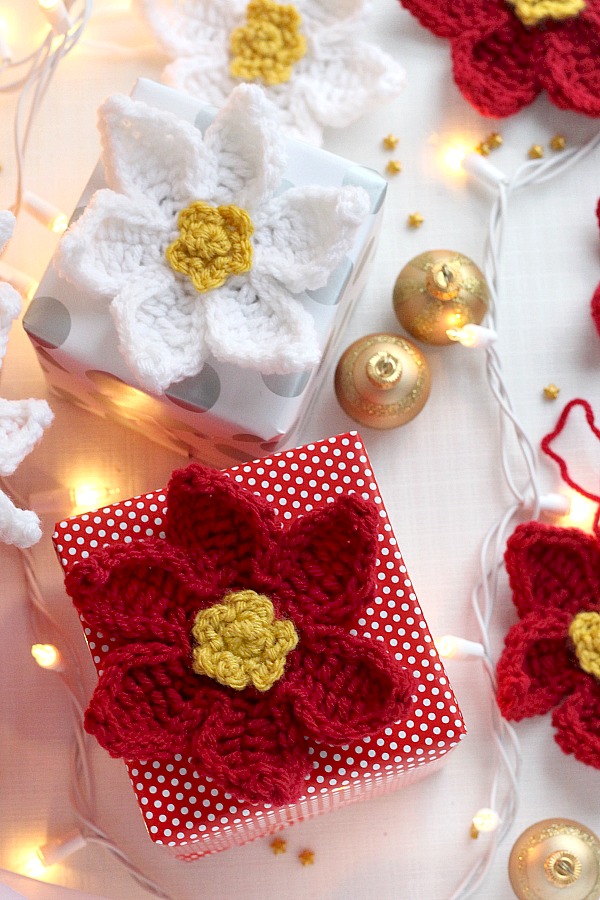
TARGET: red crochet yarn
(596,297)
(554,574)
(319,571)
(500,65)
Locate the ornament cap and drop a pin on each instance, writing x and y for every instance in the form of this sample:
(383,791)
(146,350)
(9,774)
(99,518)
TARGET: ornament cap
(556,857)
(443,280)
(384,369)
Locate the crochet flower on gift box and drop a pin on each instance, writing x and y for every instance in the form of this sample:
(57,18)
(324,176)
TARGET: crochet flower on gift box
(198,245)
(552,655)
(307,55)
(596,297)
(505,52)
(230,639)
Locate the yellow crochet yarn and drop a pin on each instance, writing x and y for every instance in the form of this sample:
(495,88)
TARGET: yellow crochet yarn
(214,243)
(267,47)
(240,642)
(532,12)
(584,631)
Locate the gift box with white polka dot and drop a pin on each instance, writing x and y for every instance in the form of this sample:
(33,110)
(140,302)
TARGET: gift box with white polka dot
(181,807)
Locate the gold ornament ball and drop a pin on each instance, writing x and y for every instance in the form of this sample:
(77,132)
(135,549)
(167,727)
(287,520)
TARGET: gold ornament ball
(438,290)
(382,380)
(556,858)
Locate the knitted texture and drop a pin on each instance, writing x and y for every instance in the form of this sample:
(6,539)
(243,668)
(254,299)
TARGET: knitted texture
(596,297)
(551,658)
(226,556)
(505,52)
(22,422)
(308,55)
(199,247)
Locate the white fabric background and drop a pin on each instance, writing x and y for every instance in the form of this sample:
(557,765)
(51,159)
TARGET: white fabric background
(440,478)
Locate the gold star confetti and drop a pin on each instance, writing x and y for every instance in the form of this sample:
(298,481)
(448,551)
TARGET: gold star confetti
(415,220)
(483,148)
(551,392)
(390,142)
(536,151)
(558,142)
(278,845)
(307,857)
(393,167)
(494,140)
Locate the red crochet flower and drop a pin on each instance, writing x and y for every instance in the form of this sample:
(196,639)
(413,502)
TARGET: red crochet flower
(552,656)
(596,297)
(154,698)
(501,64)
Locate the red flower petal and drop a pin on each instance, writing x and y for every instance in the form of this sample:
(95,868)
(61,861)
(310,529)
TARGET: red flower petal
(147,702)
(596,308)
(449,19)
(577,723)
(568,60)
(252,748)
(553,568)
(327,562)
(493,65)
(535,670)
(209,512)
(343,687)
(132,592)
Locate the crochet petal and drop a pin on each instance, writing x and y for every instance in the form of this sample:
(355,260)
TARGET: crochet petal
(595,307)
(204,74)
(535,670)
(332,12)
(7,226)
(343,686)
(147,703)
(577,723)
(10,307)
(18,527)
(252,748)
(146,591)
(115,238)
(493,65)
(209,512)
(327,562)
(150,153)
(553,568)
(22,424)
(259,325)
(247,148)
(160,323)
(187,28)
(303,235)
(570,63)
(451,18)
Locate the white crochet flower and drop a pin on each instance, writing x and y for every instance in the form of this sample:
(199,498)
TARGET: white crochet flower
(160,169)
(337,80)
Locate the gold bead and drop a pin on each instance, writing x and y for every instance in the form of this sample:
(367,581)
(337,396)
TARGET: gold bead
(439,290)
(551,392)
(382,380)
(483,148)
(556,856)
(390,142)
(558,142)
(494,140)
(536,151)
(393,167)
(415,220)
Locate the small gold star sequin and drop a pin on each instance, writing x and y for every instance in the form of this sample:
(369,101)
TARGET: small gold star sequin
(483,148)
(558,142)
(390,142)
(307,857)
(415,220)
(551,392)
(536,151)
(393,167)
(494,140)
(278,845)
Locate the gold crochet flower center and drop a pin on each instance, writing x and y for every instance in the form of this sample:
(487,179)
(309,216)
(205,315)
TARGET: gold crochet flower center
(532,12)
(268,46)
(584,631)
(240,642)
(213,244)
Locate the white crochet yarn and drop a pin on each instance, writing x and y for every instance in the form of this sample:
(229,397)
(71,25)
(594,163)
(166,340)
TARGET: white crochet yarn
(339,79)
(22,422)
(157,165)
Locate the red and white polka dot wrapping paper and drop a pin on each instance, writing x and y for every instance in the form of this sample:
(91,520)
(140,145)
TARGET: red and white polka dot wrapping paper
(180,806)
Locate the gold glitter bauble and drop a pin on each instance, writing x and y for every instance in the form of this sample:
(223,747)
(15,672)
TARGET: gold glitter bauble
(382,380)
(556,858)
(438,290)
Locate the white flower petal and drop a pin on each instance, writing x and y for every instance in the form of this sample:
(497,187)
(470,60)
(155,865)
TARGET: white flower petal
(204,75)
(19,527)
(10,307)
(188,28)
(22,423)
(313,229)
(160,323)
(329,12)
(151,153)
(259,325)
(246,142)
(114,239)
(7,226)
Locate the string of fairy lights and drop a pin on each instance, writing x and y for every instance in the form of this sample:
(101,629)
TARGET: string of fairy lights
(29,78)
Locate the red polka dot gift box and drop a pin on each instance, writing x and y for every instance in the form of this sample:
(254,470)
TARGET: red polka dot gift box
(261,654)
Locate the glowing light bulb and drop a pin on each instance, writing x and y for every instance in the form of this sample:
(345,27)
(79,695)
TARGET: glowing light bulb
(581,514)
(47,656)
(57,15)
(86,496)
(449,646)
(24,284)
(56,850)
(472,335)
(453,157)
(485,820)
(45,212)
